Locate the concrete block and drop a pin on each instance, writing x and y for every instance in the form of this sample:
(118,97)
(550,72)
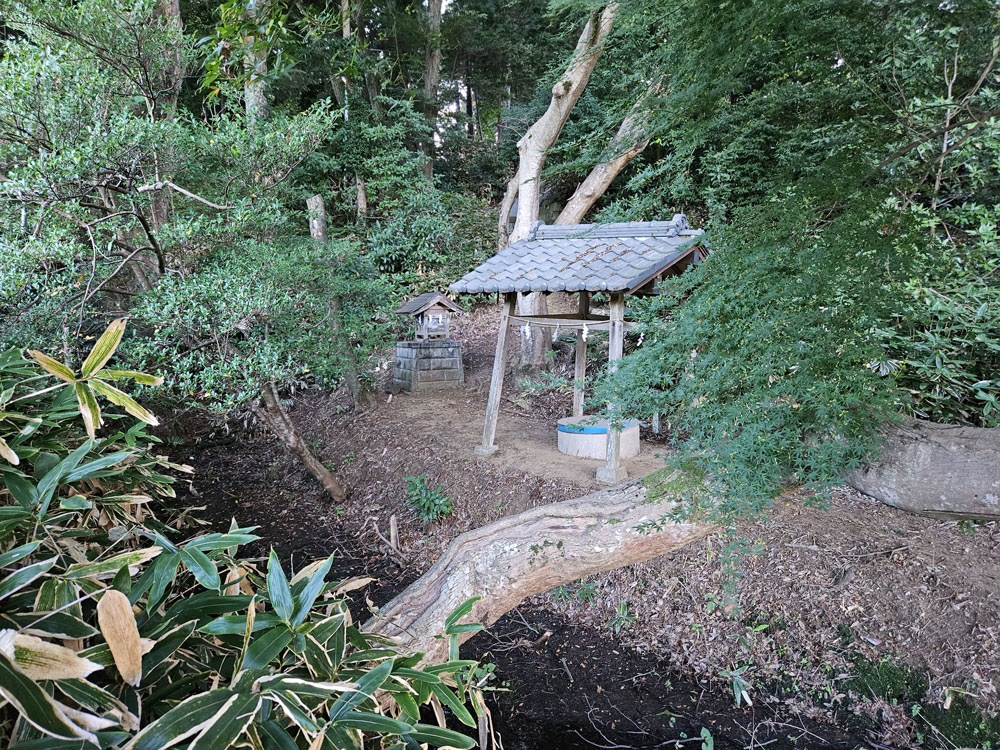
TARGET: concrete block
(583,437)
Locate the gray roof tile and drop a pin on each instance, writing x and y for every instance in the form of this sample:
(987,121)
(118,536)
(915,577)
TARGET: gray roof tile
(583,257)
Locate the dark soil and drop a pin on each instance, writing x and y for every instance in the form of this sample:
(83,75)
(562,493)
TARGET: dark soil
(573,687)
(853,582)
(557,685)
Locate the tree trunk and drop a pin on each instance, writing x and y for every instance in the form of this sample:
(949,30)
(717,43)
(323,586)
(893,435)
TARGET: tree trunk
(255,89)
(319,230)
(533,552)
(469,112)
(630,141)
(532,149)
(535,144)
(165,110)
(943,471)
(276,417)
(432,74)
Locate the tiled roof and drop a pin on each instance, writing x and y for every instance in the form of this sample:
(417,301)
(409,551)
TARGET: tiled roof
(583,257)
(422,301)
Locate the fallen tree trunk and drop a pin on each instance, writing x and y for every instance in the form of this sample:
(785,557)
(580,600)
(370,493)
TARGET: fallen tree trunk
(943,471)
(533,552)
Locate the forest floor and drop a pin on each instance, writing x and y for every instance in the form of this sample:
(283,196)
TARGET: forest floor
(858,626)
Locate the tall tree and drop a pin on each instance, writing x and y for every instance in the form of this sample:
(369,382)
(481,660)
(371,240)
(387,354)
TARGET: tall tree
(255,97)
(630,141)
(533,147)
(432,76)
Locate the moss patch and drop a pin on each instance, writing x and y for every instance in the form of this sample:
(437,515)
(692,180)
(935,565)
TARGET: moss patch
(684,482)
(959,725)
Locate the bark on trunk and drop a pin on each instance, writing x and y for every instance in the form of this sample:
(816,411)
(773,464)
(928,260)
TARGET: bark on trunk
(318,229)
(272,413)
(169,87)
(255,89)
(532,149)
(943,471)
(630,141)
(535,144)
(432,74)
(530,553)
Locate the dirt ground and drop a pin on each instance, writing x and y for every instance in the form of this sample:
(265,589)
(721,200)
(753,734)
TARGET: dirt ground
(837,608)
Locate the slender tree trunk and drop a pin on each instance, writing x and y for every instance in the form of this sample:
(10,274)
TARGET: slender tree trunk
(255,89)
(630,141)
(342,93)
(272,413)
(318,229)
(469,112)
(165,109)
(432,74)
(532,149)
(542,135)
(533,552)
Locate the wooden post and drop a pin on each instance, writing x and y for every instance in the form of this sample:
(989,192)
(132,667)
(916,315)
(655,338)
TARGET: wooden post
(580,361)
(496,382)
(614,471)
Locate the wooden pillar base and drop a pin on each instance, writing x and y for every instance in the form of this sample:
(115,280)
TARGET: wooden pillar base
(485,450)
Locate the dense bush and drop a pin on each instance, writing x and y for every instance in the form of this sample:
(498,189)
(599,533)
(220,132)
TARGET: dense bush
(118,630)
(264,312)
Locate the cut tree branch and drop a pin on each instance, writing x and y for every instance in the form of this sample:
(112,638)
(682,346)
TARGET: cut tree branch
(167,183)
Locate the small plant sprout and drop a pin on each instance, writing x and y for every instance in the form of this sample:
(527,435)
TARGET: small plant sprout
(586,592)
(428,503)
(622,620)
(562,594)
(740,684)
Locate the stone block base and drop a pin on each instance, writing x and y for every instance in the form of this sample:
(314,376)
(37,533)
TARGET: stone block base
(431,365)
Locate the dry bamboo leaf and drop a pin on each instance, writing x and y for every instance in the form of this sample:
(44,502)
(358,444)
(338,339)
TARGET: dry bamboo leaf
(438,711)
(238,580)
(88,721)
(352,584)
(117,623)
(308,570)
(318,741)
(42,660)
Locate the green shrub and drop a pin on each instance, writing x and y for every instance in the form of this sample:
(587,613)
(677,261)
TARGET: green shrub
(429,504)
(119,632)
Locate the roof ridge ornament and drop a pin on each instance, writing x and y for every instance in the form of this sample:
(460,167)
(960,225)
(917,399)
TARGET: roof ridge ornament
(533,232)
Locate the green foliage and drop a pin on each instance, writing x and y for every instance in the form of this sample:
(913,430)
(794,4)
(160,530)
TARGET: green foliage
(942,347)
(117,631)
(739,682)
(622,619)
(261,313)
(852,218)
(428,503)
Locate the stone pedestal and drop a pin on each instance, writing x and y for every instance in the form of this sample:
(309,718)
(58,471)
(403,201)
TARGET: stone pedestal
(428,365)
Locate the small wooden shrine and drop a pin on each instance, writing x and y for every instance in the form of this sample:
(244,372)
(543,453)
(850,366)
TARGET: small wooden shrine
(431,313)
(432,361)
